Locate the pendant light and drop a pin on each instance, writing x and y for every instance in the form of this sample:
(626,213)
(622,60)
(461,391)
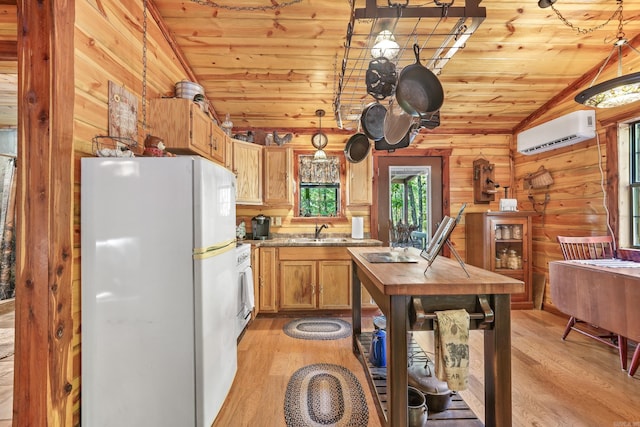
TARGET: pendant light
(385,46)
(618,91)
(319,140)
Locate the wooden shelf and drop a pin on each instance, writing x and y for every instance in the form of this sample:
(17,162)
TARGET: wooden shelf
(458,415)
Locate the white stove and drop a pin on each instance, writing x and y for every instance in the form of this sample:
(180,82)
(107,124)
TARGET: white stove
(246,301)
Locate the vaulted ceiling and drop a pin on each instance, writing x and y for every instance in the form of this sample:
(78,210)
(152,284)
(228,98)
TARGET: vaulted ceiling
(274,68)
(270,64)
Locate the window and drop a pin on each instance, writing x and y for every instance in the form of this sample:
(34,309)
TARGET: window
(634,183)
(320,191)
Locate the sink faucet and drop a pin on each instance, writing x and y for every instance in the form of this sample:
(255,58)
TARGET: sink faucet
(319,229)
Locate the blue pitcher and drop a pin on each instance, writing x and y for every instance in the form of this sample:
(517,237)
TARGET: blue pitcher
(377,351)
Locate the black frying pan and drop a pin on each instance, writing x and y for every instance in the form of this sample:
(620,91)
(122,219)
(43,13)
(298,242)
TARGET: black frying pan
(357,148)
(372,120)
(419,91)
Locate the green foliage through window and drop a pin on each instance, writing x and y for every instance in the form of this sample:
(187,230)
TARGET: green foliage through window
(319,199)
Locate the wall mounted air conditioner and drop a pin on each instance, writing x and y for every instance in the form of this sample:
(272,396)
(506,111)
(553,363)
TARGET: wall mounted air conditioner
(561,132)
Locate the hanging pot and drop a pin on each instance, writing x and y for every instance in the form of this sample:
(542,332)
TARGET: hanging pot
(396,124)
(418,90)
(357,148)
(372,120)
(436,392)
(381,78)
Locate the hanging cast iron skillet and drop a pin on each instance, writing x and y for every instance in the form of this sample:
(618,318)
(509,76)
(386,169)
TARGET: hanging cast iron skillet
(418,90)
(357,148)
(372,120)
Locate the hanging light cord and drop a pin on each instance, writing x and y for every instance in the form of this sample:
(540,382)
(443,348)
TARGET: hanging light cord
(273,6)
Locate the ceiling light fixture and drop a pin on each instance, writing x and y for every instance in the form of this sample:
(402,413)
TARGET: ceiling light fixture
(615,92)
(385,46)
(319,140)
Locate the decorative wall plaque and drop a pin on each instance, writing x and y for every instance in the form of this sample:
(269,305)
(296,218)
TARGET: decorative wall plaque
(123,112)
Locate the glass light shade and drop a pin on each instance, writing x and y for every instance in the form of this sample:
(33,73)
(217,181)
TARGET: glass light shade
(385,46)
(612,93)
(320,156)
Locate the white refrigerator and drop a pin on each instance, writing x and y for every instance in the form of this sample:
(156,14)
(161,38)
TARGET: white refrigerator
(158,291)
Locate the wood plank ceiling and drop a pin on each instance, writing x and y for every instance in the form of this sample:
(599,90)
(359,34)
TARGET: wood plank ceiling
(272,68)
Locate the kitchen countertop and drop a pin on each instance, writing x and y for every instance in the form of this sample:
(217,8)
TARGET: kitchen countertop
(310,241)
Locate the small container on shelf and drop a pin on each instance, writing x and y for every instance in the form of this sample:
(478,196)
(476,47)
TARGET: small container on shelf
(512,260)
(498,232)
(498,262)
(502,254)
(506,232)
(516,232)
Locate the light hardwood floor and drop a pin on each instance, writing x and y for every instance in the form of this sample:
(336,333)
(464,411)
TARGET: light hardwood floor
(577,382)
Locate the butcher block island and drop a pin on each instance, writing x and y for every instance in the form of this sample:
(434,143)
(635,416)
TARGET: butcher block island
(409,293)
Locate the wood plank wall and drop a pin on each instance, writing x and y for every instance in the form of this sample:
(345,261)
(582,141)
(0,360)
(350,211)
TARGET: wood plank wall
(464,150)
(577,199)
(108,47)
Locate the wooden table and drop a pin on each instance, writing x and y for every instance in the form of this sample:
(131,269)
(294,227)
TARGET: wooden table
(392,286)
(604,296)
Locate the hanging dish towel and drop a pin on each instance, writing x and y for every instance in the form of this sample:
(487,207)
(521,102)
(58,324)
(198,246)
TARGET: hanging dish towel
(247,288)
(451,338)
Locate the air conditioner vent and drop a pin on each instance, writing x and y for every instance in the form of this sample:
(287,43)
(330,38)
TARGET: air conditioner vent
(561,132)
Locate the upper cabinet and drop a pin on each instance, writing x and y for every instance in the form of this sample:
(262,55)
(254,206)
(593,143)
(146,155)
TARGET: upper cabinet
(359,179)
(247,165)
(278,182)
(186,129)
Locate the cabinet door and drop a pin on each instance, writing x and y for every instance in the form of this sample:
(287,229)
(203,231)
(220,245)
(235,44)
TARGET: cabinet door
(267,279)
(298,285)
(510,254)
(334,284)
(360,182)
(201,126)
(228,152)
(247,164)
(218,144)
(277,176)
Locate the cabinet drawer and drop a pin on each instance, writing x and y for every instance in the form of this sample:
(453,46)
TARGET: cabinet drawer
(316,253)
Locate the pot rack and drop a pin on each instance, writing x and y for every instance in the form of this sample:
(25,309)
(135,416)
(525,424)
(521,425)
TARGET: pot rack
(440,29)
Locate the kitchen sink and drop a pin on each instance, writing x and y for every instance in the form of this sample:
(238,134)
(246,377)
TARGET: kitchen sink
(311,240)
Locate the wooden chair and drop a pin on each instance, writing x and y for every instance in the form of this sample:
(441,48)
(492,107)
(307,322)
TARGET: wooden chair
(592,247)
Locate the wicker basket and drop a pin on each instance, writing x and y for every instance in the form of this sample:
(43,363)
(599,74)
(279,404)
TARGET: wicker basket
(539,179)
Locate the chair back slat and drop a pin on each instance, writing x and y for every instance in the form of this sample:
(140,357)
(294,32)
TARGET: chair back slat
(590,247)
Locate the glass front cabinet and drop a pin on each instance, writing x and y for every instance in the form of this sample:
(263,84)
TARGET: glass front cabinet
(501,242)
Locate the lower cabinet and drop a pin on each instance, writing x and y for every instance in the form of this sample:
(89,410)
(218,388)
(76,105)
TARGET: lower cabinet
(314,278)
(267,279)
(308,285)
(305,279)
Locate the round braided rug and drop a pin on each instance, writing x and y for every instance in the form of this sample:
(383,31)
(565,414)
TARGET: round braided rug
(325,395)
(318,328)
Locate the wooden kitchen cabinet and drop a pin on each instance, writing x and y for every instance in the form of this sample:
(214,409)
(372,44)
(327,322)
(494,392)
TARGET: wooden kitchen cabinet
(247,165)
(360,179)
(185,128)
(278,176)
(267,280)
(218,145)
(501,242)
(314,278)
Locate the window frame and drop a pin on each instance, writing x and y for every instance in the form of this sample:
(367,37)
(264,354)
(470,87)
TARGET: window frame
(341,214)
(634,184)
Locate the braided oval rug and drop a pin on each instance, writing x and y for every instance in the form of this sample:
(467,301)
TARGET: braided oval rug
(325,395)
(318,328)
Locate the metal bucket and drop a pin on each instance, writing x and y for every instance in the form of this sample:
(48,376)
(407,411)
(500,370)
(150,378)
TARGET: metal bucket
(188,90)
(418,413)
